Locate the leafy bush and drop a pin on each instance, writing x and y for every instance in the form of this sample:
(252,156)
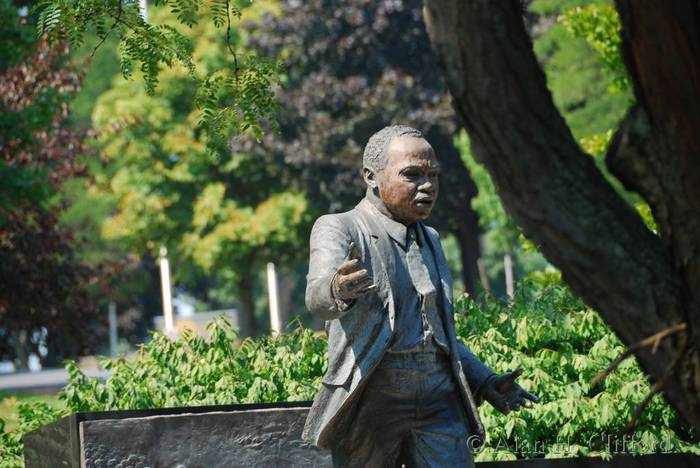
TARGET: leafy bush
(192,371)
(561,344)
(547,331)
(31,416)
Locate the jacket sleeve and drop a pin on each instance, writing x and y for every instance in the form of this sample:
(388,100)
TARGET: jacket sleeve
(478,374)
(329,245)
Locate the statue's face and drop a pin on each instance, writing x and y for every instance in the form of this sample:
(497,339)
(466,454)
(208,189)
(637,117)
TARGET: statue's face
(408,184)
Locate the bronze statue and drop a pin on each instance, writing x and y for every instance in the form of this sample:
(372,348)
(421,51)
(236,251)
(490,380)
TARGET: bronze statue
(400,388)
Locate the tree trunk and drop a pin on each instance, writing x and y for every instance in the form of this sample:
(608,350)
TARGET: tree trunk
(467,234)
(483,276)
(22,350)
(286,292)
(639,282)
(246,297)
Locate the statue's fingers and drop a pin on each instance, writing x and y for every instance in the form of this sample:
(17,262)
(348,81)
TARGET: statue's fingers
(349,279)
(361,283)
(531,396)
(366,290)
(506,382)
(355,287)
(370,288)
(349,266)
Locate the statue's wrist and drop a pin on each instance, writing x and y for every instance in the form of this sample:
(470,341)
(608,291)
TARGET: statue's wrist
(487,386)
(340,303)
(335,294)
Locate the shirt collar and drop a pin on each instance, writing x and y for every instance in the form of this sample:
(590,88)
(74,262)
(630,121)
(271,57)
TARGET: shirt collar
(396,230)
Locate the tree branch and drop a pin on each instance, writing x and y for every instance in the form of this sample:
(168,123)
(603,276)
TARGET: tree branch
(652,341)
(228,40)
(114,25)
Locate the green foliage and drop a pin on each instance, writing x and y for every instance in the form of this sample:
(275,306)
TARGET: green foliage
(644,211)
(193,371)
(487,203)
(16,39)
(597,144)
(248,90)
(599,25)
(577,77)
(235,99)
(185,371)
(32,415)
(561,344)
(220,214)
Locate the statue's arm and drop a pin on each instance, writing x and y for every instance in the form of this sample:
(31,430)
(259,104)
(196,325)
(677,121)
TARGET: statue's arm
(477,373)
(329,244)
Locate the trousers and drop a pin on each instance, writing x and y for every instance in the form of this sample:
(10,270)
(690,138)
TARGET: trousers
(410,413)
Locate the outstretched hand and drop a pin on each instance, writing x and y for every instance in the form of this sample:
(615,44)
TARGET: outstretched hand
(506,395)
(350,282)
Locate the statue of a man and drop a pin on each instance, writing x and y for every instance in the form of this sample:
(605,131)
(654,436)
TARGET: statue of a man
(400,388)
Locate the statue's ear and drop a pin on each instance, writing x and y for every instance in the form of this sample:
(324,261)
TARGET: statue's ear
(370,177)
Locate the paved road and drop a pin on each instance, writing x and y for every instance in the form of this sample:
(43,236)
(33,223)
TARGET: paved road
(47,379)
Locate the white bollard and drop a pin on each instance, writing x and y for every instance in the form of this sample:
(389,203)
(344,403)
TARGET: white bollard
(167,293)
(275,319)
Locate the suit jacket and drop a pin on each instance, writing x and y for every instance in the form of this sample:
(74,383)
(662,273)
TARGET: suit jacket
(360,334)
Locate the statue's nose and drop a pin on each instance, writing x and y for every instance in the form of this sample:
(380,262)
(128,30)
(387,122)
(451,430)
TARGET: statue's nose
(427,186)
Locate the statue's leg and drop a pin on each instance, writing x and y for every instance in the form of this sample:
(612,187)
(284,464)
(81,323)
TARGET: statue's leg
(439,435)
(382,421)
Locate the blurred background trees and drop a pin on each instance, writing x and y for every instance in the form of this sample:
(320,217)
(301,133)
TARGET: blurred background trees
(352,68)
(158,178)
(44,287)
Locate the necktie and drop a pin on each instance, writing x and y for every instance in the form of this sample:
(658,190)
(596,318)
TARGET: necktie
(417,260)
(420,276)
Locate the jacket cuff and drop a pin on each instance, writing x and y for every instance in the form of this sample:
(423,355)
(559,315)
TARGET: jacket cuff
(480,391)
(341,305)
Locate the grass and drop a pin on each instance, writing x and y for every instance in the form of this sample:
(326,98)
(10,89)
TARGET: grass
(10,401)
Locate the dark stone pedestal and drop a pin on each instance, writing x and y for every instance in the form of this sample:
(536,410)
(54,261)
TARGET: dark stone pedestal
(232,436)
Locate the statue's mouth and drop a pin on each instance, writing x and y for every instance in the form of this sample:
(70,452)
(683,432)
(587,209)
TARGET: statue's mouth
(424,202)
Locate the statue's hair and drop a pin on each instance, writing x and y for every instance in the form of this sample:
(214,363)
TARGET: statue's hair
(374,157)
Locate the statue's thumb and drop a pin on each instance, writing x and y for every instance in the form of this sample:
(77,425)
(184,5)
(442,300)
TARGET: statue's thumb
(507,380)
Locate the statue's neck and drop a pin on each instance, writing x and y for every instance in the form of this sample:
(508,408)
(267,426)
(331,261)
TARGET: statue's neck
(373,197)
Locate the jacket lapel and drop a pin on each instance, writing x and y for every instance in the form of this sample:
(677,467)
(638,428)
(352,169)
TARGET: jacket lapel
(441,261)
(383,267)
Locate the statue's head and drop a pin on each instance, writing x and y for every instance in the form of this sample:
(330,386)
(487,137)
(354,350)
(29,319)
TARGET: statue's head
(401,168)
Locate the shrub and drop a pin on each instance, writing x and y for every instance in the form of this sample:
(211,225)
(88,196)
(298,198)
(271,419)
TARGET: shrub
(194,371)
(561,344)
